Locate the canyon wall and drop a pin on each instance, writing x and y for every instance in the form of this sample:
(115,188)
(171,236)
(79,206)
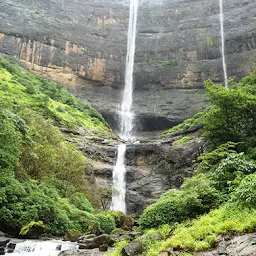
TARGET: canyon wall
(178,47)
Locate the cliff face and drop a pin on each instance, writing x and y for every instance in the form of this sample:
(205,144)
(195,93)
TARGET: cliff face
(178,45)
(153,166)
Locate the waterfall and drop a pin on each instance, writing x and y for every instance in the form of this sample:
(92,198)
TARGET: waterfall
(223,43)
(126,115)
(42,248)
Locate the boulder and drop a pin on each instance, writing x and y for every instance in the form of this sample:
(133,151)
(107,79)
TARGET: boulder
(10,247)
(93,242)
(4,241)
(240,245)
(103,248)
(72,235)
(132,249)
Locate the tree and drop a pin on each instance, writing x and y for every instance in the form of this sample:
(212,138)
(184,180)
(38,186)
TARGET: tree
(232,116)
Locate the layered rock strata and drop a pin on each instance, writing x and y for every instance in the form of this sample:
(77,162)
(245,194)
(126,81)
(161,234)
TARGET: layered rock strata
(178,46)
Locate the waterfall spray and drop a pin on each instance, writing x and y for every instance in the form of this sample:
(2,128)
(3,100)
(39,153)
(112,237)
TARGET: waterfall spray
(126,115)
(223,43)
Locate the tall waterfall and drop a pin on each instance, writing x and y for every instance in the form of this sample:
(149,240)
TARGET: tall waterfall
(223,43)
(126,115)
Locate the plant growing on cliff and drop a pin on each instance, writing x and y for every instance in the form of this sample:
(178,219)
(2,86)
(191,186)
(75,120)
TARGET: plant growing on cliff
(42,174)
(232,116)
(196,197)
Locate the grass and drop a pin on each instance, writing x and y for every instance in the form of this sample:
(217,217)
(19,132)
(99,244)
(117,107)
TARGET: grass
(183,140)
(200,234)
(27,90)
(118,248)
(189,123)
(196,235)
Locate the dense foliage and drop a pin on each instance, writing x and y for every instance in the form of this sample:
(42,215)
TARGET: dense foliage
(42,175)
(233,113)
(196,197)
(27,90)
(221,197)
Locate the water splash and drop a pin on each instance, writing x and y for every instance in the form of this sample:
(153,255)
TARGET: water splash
(42,248)
(223,43)
(126,115)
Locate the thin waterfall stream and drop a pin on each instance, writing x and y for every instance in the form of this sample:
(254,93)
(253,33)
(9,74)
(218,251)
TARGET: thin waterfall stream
(126,115)
(223,43)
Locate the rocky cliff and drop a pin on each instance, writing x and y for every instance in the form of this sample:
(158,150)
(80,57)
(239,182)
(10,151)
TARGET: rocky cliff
(178,46)
(153,166)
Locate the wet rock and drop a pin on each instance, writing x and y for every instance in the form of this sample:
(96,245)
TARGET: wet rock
(72,235)
(103,248)
(132,249)
(96,242)
(92,252)
(2,251)
(240,245)
(10,247)
(4,241)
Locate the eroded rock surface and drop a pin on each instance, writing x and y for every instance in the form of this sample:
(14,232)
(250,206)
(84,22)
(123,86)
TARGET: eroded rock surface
(178,47)
(240,245)
(153,166)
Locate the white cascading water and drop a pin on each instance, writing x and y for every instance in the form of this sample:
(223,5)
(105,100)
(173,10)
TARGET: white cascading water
(223,43)
(126,115)
(42,248)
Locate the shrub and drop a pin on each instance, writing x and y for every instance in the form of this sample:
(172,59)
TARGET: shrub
(229,169)
(196,197)
(232,116)
(166,210)
(210,160)
(117,216)
(107,223)
(81,202)
(245,192)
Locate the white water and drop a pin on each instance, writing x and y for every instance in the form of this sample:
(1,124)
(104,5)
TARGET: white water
(126,110)
(42,248)
(223,43)
(126,115)
(119,190)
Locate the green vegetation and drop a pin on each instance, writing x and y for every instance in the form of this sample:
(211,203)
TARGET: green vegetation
(233,113)
(220,198)
(29,91)
(35,227)
(189,123)
(107,223)
(183,140)
(196,197)
(201,233)
(42,180)
(158,64)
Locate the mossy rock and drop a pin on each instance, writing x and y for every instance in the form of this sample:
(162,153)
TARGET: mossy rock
(118,231)
(118,217)
(33,229)
(128,222)
(73,235)
(94,228)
